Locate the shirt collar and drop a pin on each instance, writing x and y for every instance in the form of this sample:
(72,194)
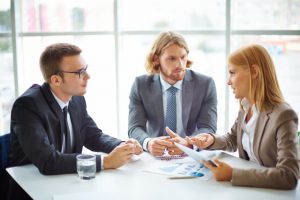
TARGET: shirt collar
(60,102)
(246,106)
(166,85)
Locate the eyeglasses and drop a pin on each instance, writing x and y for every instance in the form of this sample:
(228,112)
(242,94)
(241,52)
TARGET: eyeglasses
(80,72)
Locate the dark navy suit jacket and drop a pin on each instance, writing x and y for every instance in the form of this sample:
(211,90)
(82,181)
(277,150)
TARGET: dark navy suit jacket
(36,131)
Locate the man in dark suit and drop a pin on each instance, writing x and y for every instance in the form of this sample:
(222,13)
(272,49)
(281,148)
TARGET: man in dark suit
(194,103)
(41,136)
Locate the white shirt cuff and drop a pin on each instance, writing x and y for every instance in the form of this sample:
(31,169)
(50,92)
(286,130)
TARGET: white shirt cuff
(145,143)
(102,162)
(195,147)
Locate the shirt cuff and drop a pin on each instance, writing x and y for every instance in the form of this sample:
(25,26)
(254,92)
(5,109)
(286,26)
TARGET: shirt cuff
(145,144)
(213,141)
(195,148)
(102,162)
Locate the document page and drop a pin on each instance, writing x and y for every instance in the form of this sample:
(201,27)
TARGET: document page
(198,156)
(184,168)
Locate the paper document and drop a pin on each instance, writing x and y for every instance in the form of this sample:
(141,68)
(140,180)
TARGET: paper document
(183,169)
(198,156)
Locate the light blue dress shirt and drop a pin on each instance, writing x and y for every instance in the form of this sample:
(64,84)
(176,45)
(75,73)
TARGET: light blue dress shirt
(165,86)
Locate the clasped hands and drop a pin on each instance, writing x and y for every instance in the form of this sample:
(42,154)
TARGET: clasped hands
(122,154)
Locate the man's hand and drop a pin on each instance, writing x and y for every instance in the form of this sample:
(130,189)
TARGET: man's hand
(222,172)
(202,140)
(157,146)
(119,156)
(173,150)
(137,147)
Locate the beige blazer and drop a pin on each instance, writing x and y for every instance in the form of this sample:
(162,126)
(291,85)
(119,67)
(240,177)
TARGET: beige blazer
(275,146)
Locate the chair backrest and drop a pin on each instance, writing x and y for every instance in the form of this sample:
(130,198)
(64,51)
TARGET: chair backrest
(4,153)
(4,150)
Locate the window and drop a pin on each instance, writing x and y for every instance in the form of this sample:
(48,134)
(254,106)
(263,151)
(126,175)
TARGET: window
(285,51)
(275,25)
(116,35)
(7,89)
(64,16)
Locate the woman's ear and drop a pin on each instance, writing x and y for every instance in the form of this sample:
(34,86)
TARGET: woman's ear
(254,71)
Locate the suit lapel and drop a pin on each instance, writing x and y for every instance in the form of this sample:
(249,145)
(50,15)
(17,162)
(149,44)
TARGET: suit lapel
(51,100)
(56,110)
(157,100)
(187,98)
(262,121)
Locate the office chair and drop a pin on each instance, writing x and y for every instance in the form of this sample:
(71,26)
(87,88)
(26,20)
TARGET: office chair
(4,153)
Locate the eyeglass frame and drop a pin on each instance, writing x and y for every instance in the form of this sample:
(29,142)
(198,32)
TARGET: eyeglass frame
(81,72)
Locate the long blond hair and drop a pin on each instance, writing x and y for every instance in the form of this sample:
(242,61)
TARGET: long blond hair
(267,92)
(164,40)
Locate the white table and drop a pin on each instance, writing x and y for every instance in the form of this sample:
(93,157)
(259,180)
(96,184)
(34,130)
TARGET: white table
(132,183)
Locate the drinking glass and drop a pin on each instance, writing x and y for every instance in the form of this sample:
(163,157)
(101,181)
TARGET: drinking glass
(86,166)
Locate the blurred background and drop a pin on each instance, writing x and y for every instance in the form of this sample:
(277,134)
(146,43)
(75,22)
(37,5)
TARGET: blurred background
(116,35)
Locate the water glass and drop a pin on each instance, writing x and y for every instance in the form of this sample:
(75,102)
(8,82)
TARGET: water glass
(86,166)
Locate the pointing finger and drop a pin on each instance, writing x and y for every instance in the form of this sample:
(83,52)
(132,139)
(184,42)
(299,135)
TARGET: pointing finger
(170,132)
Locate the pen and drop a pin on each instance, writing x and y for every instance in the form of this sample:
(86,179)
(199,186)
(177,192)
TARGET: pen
(182,177)
(212,163)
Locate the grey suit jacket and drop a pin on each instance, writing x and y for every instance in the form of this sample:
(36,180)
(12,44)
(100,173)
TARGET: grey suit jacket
(274,145)
(146,114)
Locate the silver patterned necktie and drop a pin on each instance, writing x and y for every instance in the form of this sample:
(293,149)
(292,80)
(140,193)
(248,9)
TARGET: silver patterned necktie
(171,108)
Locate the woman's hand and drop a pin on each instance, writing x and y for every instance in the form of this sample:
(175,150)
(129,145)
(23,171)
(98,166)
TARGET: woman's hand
(202,140)
(223,171)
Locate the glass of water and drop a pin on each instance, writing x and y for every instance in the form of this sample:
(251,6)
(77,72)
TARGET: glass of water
(86,166)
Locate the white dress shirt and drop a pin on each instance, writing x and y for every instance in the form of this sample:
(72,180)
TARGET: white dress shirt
(249,129)
(62,105)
